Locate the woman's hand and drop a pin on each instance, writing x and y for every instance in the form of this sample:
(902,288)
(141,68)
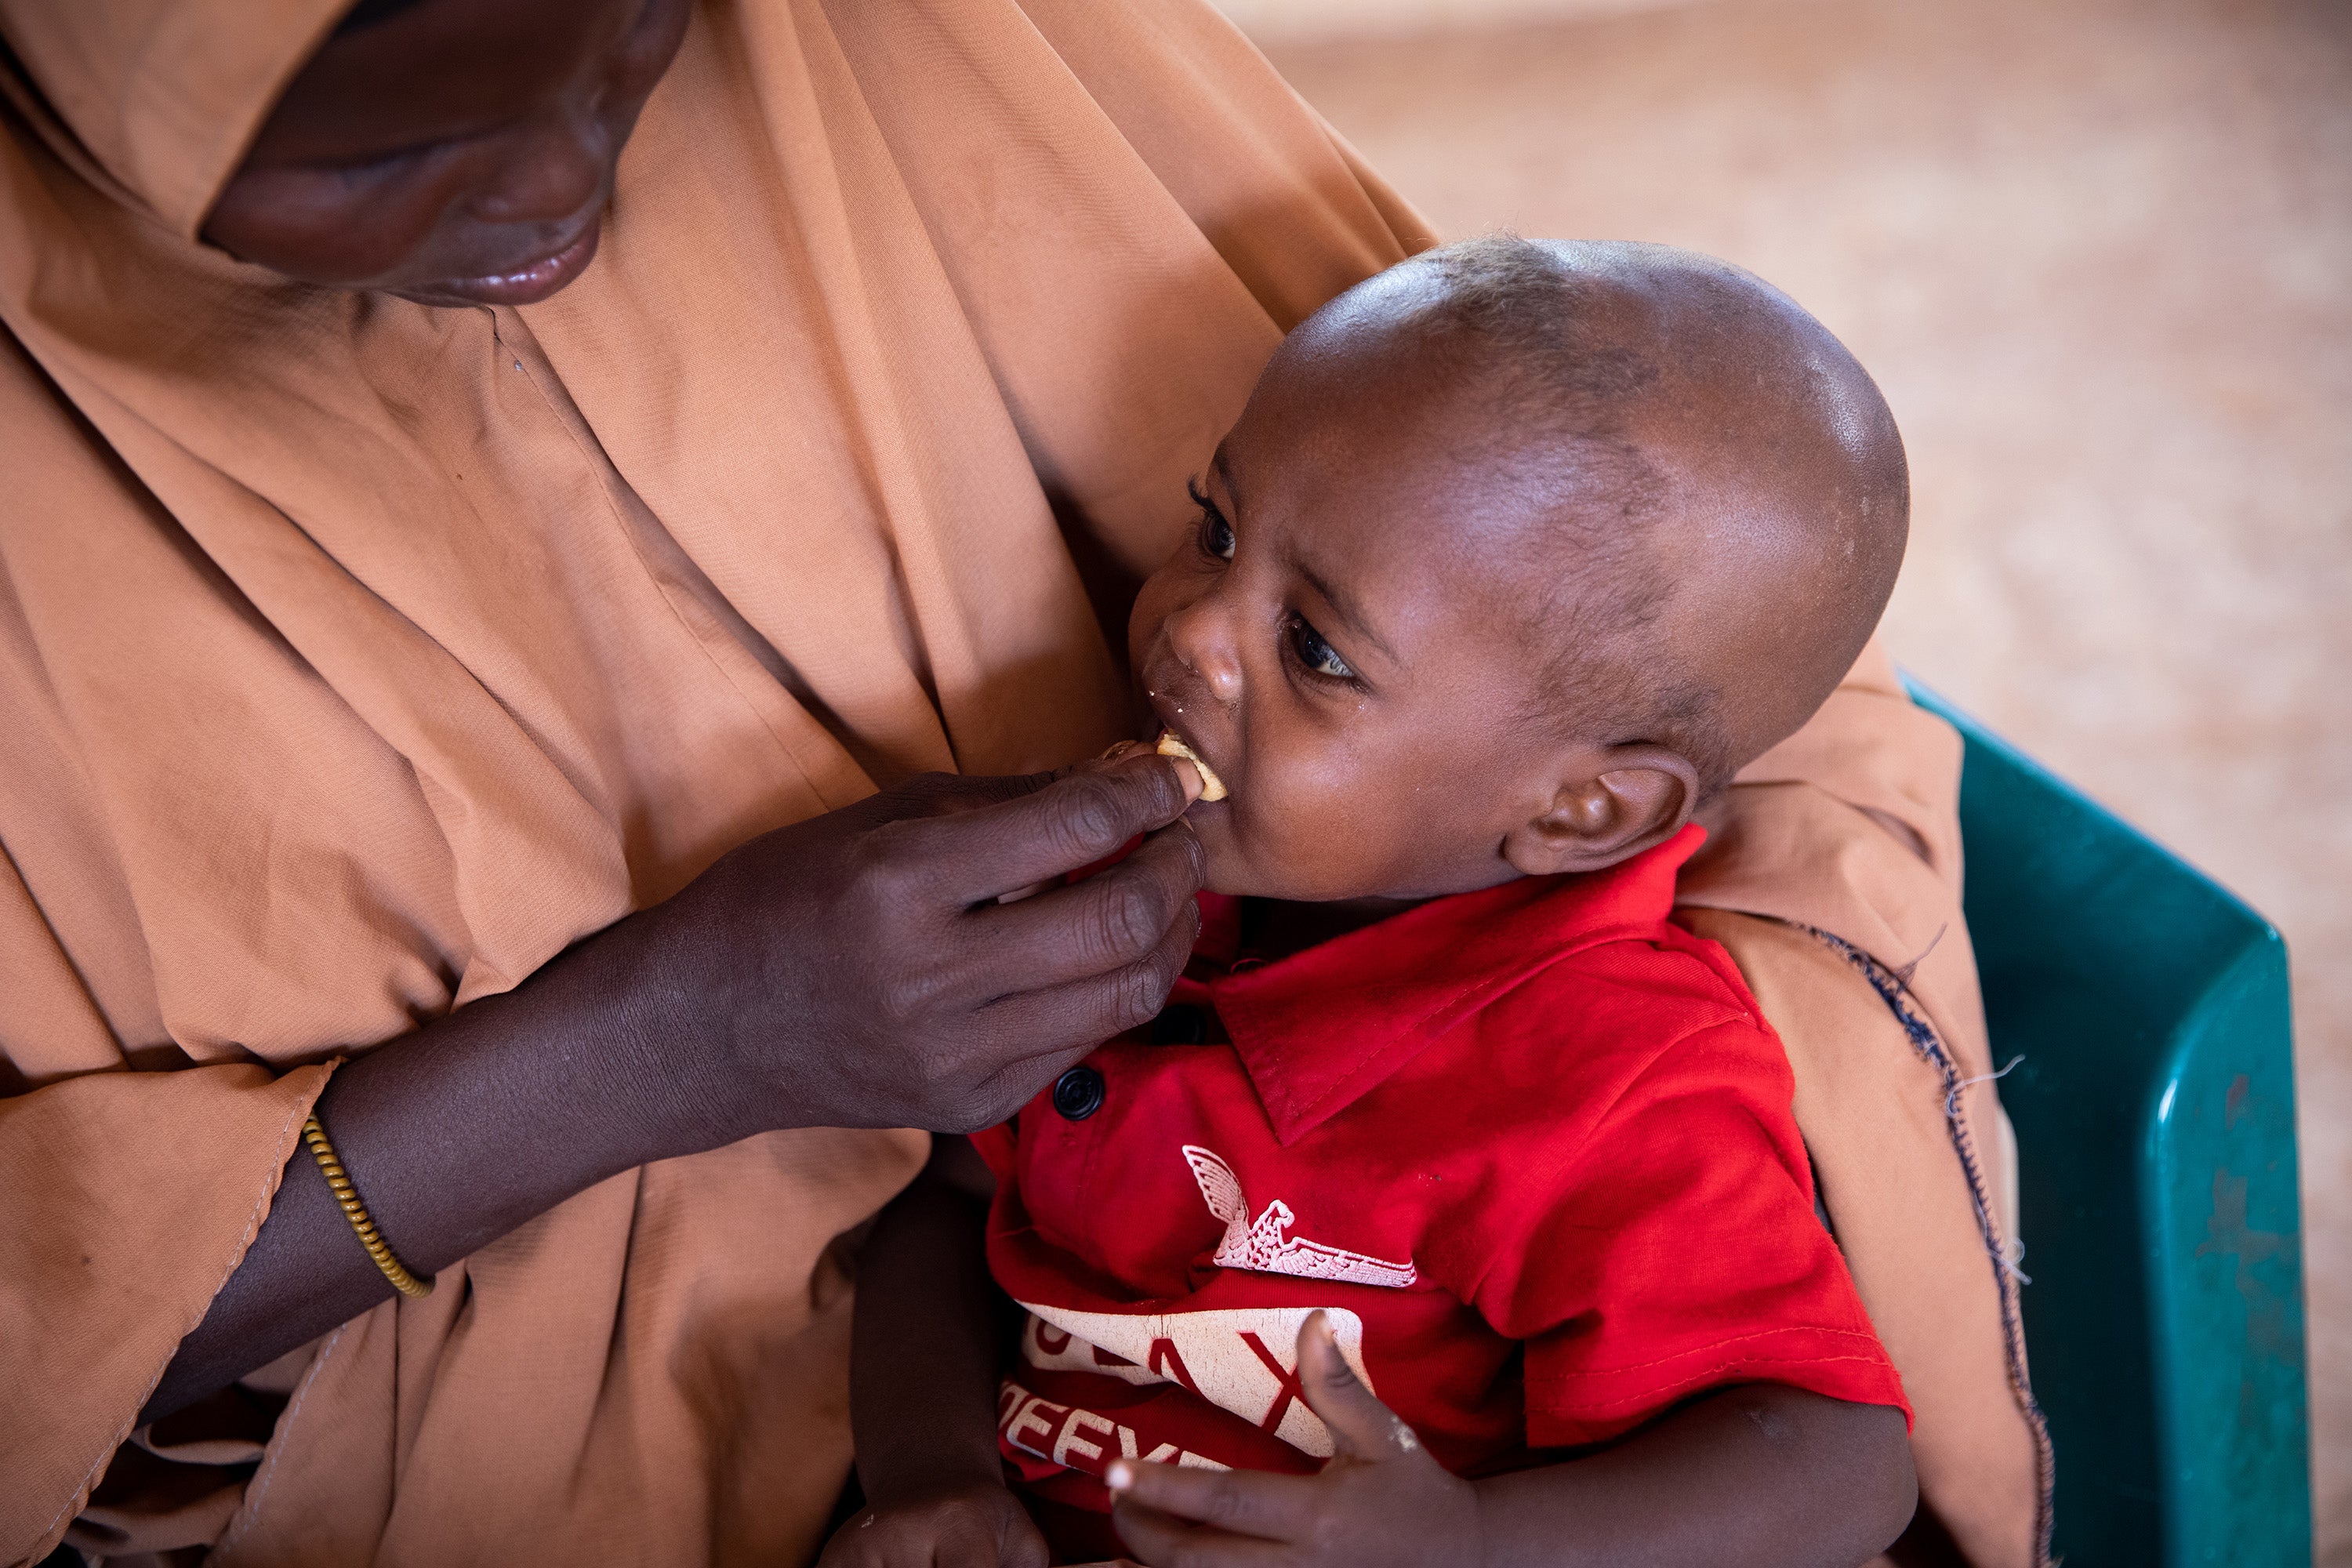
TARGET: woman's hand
(1381,1499)
(977,1526)
(850,970)
(857,970)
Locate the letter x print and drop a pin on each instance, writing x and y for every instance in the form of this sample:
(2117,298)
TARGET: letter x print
(1288,1380)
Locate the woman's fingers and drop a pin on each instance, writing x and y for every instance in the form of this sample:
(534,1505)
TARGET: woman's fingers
(1165,1540)
(858,964)
(1037,1036)
(1361,1426)
(978,855)
(1257,1503)
(1102,924)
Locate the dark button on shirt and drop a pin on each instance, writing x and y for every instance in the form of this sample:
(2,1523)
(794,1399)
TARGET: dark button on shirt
(1078,1093)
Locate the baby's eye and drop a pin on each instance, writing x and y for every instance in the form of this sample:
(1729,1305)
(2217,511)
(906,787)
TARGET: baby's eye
(1217,537)
(1316,654)
(1216,533)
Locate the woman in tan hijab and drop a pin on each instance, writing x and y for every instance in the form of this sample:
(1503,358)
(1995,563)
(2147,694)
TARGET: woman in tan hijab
(431,537)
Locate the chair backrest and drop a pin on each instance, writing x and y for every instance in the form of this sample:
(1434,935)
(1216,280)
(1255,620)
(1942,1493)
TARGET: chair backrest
(2155,1114)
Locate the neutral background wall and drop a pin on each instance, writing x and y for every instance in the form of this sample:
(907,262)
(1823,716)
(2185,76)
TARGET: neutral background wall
(2099,254)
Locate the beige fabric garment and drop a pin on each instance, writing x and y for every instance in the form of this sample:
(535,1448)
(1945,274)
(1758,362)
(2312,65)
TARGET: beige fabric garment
(1814,841)
(355,658)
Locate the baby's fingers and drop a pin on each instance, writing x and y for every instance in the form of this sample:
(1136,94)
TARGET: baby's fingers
(1247,1502)
(1361,1426)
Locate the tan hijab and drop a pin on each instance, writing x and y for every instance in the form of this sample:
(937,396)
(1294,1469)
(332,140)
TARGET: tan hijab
(355,658)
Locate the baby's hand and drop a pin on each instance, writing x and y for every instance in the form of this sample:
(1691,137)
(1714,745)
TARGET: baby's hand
(979,1526)
(1381,1499)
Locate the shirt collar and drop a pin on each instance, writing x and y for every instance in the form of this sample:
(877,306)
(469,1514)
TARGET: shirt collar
(1320,1028)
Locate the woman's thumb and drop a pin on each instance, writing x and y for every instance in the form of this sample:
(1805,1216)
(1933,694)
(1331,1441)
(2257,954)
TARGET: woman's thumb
(1361,1426)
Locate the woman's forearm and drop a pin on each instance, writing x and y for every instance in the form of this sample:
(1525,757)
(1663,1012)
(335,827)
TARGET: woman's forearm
(455,1135)
(854,970)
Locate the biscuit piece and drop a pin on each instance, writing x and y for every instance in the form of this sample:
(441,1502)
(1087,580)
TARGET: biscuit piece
(1212,786)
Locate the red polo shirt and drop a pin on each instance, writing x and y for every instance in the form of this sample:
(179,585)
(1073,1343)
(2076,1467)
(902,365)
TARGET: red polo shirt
(1530,1147)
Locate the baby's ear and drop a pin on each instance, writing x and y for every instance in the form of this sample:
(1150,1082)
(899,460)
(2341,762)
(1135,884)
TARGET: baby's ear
(1640,796)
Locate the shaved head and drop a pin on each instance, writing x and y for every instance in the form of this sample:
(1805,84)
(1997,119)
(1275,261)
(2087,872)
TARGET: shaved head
(1709,490)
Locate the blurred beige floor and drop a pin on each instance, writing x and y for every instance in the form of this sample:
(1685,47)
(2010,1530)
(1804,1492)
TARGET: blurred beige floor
(2099,254)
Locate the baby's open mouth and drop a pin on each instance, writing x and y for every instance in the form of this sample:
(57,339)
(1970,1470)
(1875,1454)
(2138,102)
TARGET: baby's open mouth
(1212,786)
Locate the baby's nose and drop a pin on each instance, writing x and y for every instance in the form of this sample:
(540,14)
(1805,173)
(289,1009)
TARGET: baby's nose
(1222,673)
(1205,644)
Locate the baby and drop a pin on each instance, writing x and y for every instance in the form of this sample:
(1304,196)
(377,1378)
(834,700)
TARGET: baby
(1453,1210)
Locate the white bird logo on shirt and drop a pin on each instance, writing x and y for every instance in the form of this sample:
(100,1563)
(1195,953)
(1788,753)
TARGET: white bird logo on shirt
(1259,1245)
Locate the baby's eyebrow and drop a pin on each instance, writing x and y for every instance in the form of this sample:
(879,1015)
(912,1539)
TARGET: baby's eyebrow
(1224,472)
(1346,604)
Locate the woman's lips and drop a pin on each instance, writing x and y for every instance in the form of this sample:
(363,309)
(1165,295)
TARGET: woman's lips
(530,284)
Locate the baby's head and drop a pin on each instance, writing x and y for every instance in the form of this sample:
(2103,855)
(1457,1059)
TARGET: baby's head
(1519,551)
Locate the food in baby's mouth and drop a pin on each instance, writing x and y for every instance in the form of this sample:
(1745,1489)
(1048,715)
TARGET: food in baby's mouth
(1212,786)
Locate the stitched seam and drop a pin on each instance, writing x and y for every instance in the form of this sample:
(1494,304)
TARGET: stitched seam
(250,1513)
(72,1505)
(1896,993)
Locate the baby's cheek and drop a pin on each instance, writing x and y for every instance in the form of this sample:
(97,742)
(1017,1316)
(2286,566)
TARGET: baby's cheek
(1251,848)
(1229,869)
(1329,834)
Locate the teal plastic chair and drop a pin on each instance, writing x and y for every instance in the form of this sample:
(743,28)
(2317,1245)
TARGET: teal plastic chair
(2155,1113)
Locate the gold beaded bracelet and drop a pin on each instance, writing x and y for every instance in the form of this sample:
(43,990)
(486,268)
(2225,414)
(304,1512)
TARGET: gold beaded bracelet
(346,1194)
